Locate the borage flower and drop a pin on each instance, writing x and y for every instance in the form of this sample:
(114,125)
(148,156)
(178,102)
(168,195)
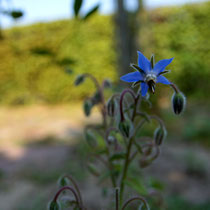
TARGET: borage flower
(148,73)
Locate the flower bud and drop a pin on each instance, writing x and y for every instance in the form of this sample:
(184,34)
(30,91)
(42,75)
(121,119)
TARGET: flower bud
(87,106)
(111,139)
(178,102)
(54,205)
(159,135)
(126,128)
(111,107)
(79,80)
(96,99)
(107,83)
(63,181)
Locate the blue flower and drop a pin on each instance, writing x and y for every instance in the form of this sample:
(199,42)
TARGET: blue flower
(148,73)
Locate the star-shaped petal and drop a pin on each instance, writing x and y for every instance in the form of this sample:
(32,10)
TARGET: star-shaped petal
(148,73)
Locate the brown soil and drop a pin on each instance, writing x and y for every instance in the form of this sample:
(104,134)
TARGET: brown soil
(23,129)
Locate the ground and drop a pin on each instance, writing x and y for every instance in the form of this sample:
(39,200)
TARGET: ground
(38,145)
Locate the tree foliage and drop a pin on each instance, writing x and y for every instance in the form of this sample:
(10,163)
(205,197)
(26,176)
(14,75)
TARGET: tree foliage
(40,62)
(182,32)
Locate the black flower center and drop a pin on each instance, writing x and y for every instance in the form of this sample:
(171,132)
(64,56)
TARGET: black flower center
(151,85)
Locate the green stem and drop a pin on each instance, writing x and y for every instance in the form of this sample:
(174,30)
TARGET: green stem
(135,107)
(117,198)
(175,88)
(127,159)
(125,169)
(112,176)
(74,193)
(76,188)
(136,198)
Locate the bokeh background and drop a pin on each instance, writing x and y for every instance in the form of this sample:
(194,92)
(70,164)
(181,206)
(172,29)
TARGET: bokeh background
(43,47)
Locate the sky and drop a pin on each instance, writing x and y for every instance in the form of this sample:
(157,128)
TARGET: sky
(49,10)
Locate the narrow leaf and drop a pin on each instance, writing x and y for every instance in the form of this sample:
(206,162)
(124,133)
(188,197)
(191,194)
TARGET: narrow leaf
(117,156)
(137,185)
(77,6)
(91,12)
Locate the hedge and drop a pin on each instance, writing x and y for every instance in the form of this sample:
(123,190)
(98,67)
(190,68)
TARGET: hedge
(39,62)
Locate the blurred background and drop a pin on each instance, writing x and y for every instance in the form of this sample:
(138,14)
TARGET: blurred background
(44,45)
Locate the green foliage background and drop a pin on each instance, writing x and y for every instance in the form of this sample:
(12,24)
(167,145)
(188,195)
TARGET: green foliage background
(39,63)
(182,33)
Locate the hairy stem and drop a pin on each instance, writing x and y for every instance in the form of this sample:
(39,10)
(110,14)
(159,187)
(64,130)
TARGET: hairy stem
(121,101)
(131,140)
(125,169)
(117,198)
(76,188)
(175,88)
(74,193)
(136,198)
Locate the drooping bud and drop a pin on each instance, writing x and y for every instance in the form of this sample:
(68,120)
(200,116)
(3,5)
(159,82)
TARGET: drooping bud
(178,102)
(68,202)
(111,107)
(96,99)
(159,135)
(63,181)
(107,83)
(54,205)
(87,106)
(111,139)
(79,80)
(126,128)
